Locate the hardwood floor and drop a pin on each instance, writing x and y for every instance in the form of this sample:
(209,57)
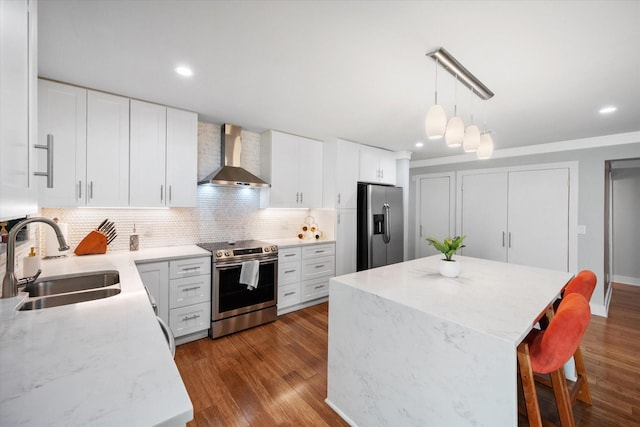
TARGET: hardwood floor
(276,374)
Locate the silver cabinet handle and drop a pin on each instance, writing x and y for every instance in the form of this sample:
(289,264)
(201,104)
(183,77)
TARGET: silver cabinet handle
(49,172)
(297,197)
(319,287)
(319,266)
(503,233)
(91,189)
(381,173)
(187,318)
(170,196)
(288,255)
(286,294)
(193,288)
(186,269)
(320,251)
(168,335)
(509,239)
(162,193)
(338,198)
(301,197)
(80,190)
(289,271)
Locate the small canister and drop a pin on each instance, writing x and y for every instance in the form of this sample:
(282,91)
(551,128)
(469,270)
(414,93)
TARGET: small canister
(134,242)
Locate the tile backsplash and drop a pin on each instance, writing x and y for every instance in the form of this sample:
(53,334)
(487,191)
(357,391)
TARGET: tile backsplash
(222,213)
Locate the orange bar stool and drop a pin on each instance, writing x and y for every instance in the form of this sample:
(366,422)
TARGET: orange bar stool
(546,352)
(584,283)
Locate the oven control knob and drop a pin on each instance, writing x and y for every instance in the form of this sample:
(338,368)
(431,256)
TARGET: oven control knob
(267,249)
(219,254)
(227,253)
(274,249)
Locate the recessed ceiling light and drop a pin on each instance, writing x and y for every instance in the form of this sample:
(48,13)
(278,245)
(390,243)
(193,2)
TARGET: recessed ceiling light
(184,71)
(607,110)
(419,144)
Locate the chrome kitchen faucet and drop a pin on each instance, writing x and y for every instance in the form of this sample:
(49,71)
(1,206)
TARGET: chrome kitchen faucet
(10,283)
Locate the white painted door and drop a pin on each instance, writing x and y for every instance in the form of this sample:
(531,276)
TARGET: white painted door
(182,158)
(346,242)
(62,114)
(310,173)
(284,171)
(369,169)
(16,82)
(148,141)
(346,174)
(107,150)
(435,212)
(539,218)
(387,166)
(484,215)
(155,276)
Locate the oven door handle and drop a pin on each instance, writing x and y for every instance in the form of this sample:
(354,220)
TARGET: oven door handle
(239,264)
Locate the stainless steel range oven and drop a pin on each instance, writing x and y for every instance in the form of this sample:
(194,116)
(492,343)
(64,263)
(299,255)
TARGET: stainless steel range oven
(234,307)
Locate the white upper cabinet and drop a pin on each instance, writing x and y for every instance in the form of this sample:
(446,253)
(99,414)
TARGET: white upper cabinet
(107,150)
(148,142)
(340,174)
(164,156)
(17,108)
(377,165)
(182,158)
(293,166)
(62,120)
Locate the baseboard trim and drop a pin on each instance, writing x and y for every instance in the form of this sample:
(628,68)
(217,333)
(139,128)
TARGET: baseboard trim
(340,413)
(626,280)
(599,310)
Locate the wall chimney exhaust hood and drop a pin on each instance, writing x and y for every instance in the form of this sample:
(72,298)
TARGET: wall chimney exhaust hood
(232,174)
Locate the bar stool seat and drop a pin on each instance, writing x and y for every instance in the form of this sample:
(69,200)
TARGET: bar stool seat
(546,352)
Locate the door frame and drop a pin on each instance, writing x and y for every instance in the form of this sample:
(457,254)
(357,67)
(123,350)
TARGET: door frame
(572,166)
(452,204)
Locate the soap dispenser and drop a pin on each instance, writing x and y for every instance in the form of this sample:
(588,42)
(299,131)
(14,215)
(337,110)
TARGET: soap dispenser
(30,263)
(134,242)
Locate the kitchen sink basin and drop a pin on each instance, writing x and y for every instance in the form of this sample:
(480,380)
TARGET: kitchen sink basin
(72,283)
(70,298)
(71,289)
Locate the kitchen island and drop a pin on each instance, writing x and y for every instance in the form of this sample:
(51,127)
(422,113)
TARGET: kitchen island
(408,347)
(97,363)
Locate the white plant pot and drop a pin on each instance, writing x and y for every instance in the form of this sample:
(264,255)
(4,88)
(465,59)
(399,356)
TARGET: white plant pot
(449,268)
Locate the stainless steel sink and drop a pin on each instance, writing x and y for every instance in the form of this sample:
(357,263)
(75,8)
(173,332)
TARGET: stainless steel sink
(71,298)
(71,289)
(72,283)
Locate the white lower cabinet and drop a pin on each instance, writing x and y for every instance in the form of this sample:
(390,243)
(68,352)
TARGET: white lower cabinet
(182,290)
(303,275)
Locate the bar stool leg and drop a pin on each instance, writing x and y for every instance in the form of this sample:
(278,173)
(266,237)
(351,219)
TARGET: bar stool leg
(584,395)
(529,386)
(563,400)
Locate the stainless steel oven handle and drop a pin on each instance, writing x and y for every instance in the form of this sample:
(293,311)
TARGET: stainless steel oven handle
(238,264)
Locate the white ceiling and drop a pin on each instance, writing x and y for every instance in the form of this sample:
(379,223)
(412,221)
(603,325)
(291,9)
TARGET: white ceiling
(357,69)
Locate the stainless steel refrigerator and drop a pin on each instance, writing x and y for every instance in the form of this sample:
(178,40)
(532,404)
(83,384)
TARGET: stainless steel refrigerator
(380,229)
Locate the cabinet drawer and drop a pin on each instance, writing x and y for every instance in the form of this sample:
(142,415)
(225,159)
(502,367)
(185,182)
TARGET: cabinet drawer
(189,267)
(288,295)
(318,267)
(315,251)
(189,290)
(316,288)
(190,319)
(288,272)
(289,254)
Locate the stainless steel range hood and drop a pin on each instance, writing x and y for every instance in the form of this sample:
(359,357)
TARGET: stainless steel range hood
(231,174)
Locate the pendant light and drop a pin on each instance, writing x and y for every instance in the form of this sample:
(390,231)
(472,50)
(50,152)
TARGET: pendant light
(471,139)
(485,150)
(436,121)
(455,127)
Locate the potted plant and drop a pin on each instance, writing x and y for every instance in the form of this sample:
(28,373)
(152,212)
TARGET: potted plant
(448,266)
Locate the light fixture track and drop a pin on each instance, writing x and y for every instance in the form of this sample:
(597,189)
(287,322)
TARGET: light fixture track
(451,64)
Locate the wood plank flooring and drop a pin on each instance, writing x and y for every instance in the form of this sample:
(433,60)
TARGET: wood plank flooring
(276,374)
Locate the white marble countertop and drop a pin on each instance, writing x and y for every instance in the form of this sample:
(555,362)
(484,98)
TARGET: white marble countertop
(491,297)
(98,363)
(294,241)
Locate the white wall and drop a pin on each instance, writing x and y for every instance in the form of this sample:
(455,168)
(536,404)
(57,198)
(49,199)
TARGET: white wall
(591,203)
(626,225)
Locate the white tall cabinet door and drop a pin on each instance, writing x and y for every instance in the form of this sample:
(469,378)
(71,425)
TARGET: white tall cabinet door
(387,165)
(182,158)
(283,170)
(484,215)
(155,276)
(148,140)
(346,174)
(62,116)
(369,170)
(436,212)
(17,83)
(310,173)
(538,233)
(107,150)
(346,241)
